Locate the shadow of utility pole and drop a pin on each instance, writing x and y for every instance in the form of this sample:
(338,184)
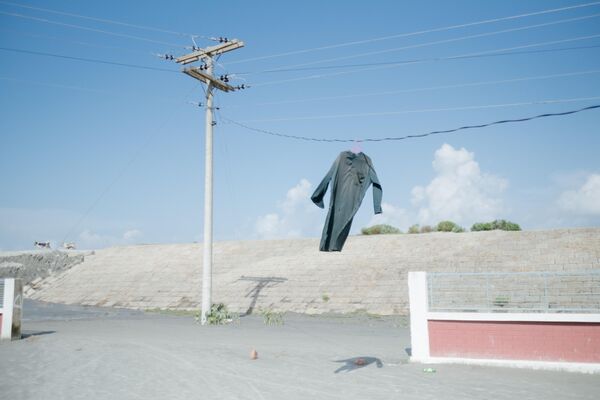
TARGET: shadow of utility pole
(353,363)
(262,282)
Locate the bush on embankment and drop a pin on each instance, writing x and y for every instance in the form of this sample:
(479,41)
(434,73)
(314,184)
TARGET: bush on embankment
(498,224)
(382,229)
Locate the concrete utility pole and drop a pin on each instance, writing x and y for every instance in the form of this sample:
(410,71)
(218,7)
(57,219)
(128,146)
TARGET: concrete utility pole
(205,75)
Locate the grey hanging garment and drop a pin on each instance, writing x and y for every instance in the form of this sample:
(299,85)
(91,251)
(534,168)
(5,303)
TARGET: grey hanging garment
(351,175)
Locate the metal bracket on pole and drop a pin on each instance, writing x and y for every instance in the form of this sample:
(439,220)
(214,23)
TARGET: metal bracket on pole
(197,73)
(210,51)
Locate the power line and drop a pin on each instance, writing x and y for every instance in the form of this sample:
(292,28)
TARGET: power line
(441,29)
(227,167)
(78,42)
(487,53)
(103,20)
(341,66)
(324,98)
(426,110)
(120,174)
(422,89)
(413,136)
(492,53)
(85,28)
(90,90)
(89,60)
(444,41)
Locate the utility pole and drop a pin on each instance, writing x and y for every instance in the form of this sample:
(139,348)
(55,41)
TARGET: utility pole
(204,74)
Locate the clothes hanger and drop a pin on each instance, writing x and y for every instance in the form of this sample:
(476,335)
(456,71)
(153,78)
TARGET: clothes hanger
(356,147)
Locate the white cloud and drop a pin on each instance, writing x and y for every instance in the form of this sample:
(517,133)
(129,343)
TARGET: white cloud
(20,227)
(585,200)
(460,191)
(297,216)
(89,239)
(391,215)
(268,225)
(131,235)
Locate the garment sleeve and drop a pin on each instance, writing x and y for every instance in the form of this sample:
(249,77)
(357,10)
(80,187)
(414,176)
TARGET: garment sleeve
(377,191)
(320,191)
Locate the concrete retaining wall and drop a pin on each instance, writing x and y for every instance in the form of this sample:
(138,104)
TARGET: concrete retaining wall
(292,275)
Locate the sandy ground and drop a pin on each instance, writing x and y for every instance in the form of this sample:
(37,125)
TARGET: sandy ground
(90,353)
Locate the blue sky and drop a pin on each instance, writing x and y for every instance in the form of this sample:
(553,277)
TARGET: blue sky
(104,155)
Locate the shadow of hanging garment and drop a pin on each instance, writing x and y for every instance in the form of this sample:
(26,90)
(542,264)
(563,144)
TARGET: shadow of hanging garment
(351,364)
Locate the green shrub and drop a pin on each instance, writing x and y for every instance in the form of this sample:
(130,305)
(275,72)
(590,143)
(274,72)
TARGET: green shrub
(427,229)
(481,226)
(506,225)
(271,317)
(218,315)
(499,224)
(380,230)
(414,229)
(446,226)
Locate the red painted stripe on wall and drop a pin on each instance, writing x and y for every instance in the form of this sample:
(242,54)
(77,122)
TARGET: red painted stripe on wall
(535,341)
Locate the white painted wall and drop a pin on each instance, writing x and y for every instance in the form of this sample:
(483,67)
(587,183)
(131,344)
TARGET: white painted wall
(419,307)
(7,309)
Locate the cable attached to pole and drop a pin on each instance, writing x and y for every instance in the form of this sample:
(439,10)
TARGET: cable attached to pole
(413,136)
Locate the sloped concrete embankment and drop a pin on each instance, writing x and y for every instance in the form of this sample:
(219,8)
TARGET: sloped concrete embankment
(34,266)
(292,275)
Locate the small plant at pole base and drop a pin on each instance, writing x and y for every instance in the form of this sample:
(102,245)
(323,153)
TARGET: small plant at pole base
(218,315)
(271,317)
